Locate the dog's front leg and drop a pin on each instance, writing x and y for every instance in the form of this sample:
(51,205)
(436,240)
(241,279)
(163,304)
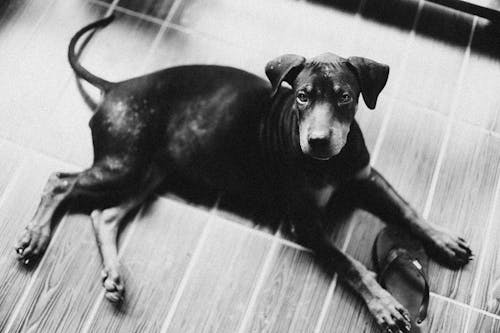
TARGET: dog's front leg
(373,193)
(388,312)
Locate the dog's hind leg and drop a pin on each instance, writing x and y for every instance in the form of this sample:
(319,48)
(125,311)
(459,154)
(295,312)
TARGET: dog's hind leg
(105,178)
(36,236)
(106,224)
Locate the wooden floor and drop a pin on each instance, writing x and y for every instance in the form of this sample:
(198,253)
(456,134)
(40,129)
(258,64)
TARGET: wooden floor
(197,268)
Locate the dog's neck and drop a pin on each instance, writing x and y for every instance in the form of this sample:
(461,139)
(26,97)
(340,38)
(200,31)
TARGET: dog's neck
(279,134)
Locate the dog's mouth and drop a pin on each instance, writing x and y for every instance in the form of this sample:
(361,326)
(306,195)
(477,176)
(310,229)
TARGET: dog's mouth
(322,156)
(324,153)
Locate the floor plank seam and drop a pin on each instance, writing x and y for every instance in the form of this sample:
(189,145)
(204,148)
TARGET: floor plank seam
(121,250)
(178,27)
(24,296)
(397,82)
(130,12)
(189,269)
(375,154)
(164,26)
(13,180)
(466,306)
(482,255)
(449,125)
(266,269)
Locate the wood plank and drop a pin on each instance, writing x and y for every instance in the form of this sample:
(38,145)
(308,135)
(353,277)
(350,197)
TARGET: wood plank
(19,21)
(410,150)
(117,52)
(11,159)
(370,121)
(463,200)
(38,71)
(490,272)
(218,291)
(67,284)
(408,162)
(479,101)
(155,260)
(285,19)
(481,323)
(293,294)
(435,58)
(181,48)
(385,25)
(16,209)
(352,316)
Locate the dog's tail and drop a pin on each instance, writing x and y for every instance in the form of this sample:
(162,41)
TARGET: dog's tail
(80,71)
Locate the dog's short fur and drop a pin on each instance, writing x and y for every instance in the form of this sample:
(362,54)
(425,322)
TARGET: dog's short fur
(231,130)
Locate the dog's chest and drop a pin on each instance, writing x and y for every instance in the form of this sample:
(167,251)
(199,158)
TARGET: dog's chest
(321,191)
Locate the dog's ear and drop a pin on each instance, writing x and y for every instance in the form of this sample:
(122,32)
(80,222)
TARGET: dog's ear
(284,68)
(372,77)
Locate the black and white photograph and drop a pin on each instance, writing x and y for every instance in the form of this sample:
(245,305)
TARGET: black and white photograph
(250,166)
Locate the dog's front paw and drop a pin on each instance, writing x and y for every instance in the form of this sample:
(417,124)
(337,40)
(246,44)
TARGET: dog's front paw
(450,250)
(32,242)
(113,287)
(391,316)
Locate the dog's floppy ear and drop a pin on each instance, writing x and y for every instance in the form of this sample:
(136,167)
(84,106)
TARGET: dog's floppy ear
(284,68)
(372,78)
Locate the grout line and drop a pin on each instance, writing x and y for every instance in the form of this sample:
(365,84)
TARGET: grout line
(266,269)
(482,255)
(33,278)
(22,299)
(397,83)
(100,297)
(466,306)
(375,154)
(13,181)
(112,7)
(189,269)
(121,250)
(130,12)
(164,26)
(449,124)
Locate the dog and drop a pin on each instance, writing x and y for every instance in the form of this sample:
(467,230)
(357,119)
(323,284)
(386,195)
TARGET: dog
(298,145)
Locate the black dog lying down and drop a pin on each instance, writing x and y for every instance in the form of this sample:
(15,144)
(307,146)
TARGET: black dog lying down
(231,130)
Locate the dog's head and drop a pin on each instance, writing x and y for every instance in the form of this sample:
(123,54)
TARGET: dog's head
(327,88)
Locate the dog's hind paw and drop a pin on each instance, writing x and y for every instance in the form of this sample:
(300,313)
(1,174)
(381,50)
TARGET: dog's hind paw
(32,242)
(113,287)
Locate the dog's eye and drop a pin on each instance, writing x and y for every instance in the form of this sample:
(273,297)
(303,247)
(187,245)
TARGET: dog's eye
(302,97)
(345,98)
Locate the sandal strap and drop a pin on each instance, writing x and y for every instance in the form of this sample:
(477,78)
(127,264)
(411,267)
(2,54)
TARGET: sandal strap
(391,258)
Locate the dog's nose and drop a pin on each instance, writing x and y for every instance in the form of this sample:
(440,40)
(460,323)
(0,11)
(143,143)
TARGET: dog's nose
(319,140)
